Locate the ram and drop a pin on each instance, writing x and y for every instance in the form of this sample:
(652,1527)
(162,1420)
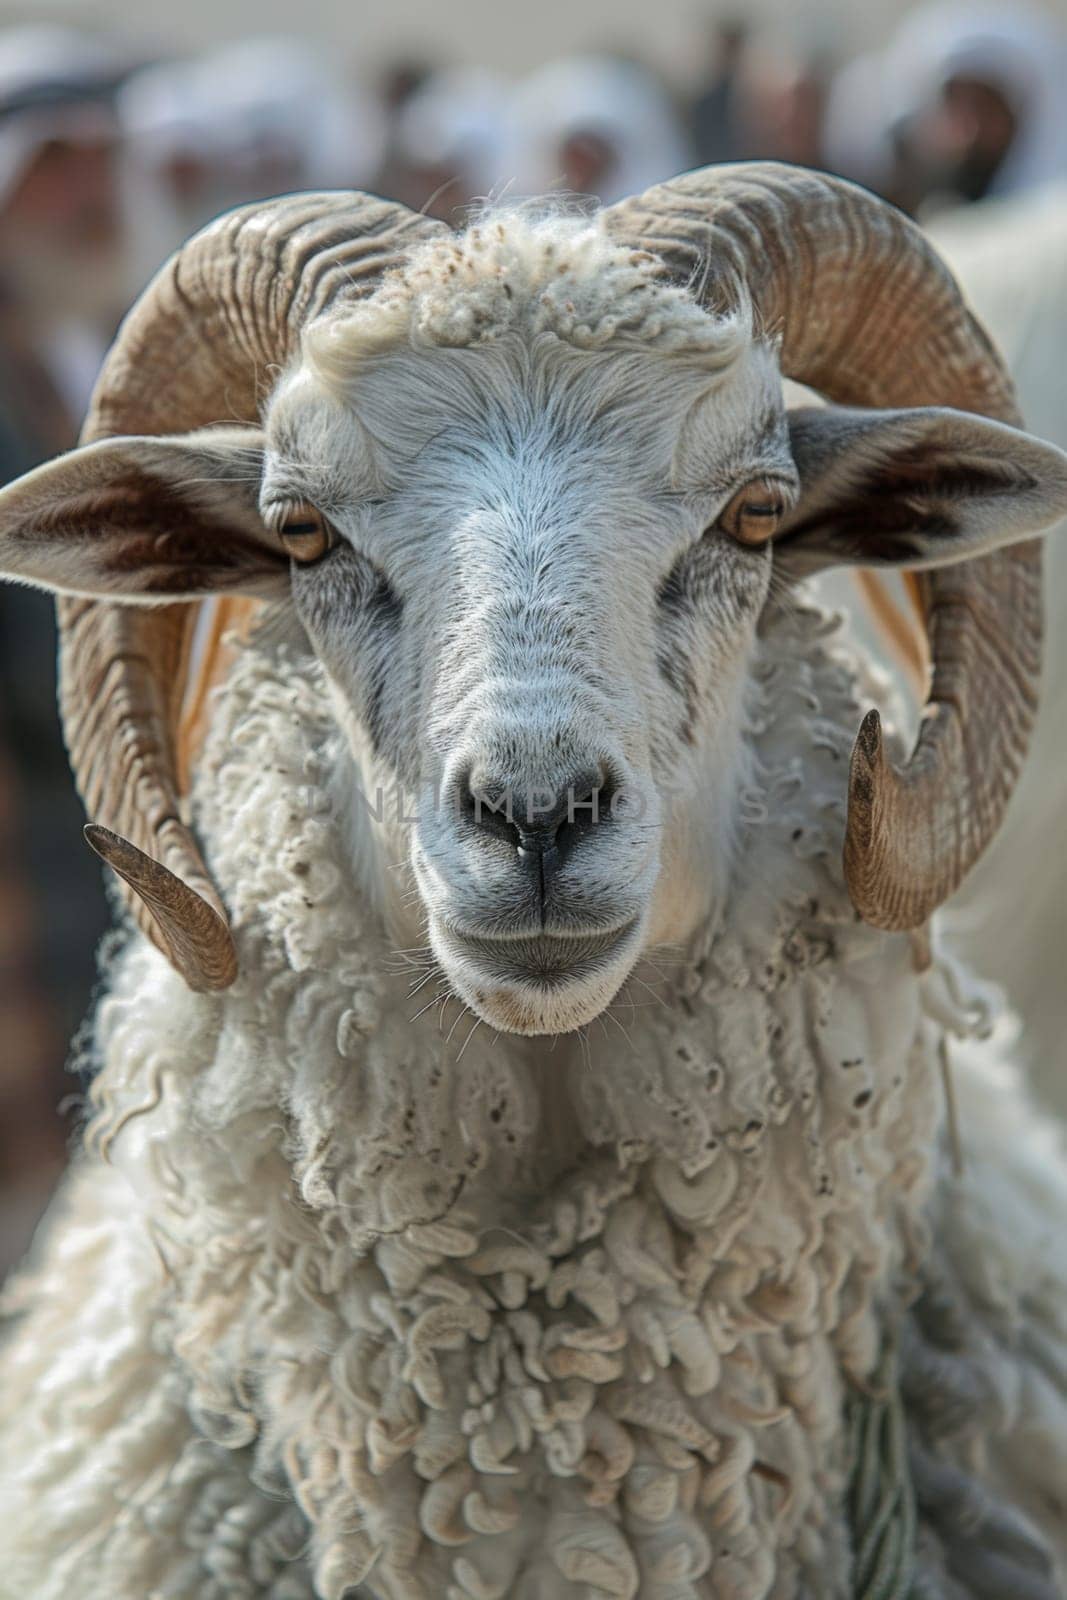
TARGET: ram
(515,1166)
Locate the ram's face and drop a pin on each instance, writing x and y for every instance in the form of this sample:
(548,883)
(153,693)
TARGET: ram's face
(538,631)
(520,484)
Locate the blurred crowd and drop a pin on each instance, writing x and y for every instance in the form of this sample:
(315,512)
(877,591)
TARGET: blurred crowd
(110,156)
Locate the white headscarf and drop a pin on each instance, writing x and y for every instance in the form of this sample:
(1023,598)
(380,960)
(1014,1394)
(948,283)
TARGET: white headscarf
(62,68)
(455,122)
(1020,51)
(619,101)
(240,100)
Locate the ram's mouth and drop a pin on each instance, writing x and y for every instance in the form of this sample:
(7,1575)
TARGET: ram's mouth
(546,983)
(543,959)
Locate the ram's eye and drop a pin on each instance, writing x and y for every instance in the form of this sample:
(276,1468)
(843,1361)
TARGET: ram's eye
(753,515)
(305,533)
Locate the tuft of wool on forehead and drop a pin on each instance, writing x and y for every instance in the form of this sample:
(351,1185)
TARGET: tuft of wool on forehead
(514,273)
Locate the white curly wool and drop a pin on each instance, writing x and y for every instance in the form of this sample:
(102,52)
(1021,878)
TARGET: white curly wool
(530,274)
(337,1305)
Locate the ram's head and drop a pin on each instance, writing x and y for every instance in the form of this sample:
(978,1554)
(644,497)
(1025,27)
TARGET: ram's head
(526,489)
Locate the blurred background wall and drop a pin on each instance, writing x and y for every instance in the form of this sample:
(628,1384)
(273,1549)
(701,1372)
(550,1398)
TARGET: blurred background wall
(504,35)
(126,124)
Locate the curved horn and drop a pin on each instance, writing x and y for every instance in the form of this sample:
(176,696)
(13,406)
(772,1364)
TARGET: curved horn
(202,345)
(869,315)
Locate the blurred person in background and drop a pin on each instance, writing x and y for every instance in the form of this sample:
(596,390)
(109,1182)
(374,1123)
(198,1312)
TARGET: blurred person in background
(781,104)
(399,81)
(715,114)
(450,135)
(31,1133)
(261,117)
(966,102)
(61,235)
(859,141)
(61,294)
(593,125)
(980,98)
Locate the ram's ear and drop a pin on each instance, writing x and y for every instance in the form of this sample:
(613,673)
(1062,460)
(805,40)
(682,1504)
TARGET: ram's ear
(149,519)
(921,488)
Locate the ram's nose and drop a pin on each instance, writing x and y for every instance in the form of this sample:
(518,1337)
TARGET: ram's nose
(540,821)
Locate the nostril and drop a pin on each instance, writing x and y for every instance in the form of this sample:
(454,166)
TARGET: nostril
(590,802)
(575,801)
(579,805)
(591,797)
(537,819)
(487,806)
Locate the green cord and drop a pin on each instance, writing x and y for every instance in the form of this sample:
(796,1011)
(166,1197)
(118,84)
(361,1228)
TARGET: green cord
(881,1500)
